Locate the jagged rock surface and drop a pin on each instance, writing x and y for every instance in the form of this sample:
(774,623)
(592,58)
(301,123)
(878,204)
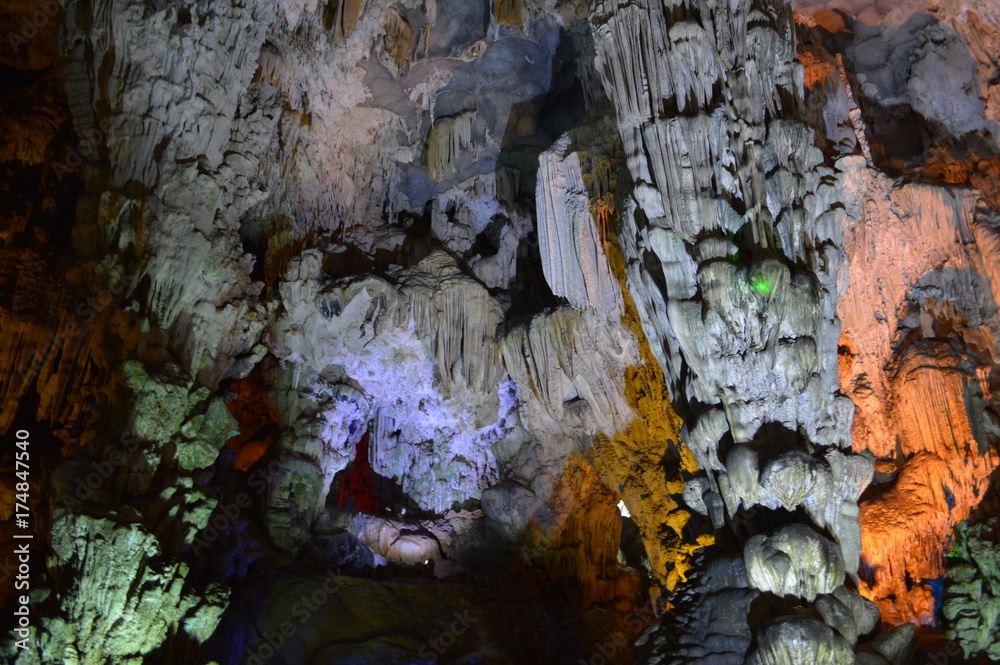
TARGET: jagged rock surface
(419,362)
(122,602)
(500,246)
(972,592)
(918,344)
(727,184)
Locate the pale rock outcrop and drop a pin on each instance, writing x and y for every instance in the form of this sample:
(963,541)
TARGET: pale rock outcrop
(838,616)
(743,466)
(574,362)
(417,366)
(569,365)
(510,505)
(592,395)
(177,167)
(484,206)
(443,541)
(751,309)
(733,251)
(789,478)
(866,614)
(167,408)
(124,598)
(896,645)
(795,561)
(799,640)
(572,248)
(410,102)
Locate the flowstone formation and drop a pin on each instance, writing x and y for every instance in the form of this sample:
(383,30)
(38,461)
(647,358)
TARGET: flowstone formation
(297,372)
(735,235)
(502,331)
(918,350)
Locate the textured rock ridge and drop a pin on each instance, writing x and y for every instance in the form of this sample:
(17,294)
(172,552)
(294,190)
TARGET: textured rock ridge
(918,343)
(742,219)
(972,592)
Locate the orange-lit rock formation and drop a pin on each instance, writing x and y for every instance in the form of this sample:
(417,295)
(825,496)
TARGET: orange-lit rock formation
(919,344)
(509,328)
(918,356)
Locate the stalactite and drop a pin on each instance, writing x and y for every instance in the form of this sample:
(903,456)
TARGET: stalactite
(695,187)
(508,12)
(448,138)
(399,42)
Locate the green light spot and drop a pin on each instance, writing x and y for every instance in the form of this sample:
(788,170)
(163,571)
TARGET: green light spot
(762,285)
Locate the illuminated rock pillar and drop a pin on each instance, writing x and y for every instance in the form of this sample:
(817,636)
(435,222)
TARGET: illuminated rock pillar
(733,246)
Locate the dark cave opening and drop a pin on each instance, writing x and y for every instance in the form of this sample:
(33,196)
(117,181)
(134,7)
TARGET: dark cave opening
(358,488)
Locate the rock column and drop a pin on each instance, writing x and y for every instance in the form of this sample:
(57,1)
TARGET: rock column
(733,248)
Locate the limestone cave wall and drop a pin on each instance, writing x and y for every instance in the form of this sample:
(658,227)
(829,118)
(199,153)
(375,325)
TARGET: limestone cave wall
(500,331)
